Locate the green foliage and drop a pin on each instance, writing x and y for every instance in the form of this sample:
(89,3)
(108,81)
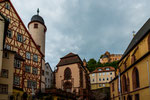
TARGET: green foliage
(93,64)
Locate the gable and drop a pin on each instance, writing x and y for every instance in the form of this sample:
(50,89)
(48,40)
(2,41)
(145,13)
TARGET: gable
(17,26)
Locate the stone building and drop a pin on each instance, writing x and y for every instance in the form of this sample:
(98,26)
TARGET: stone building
(101,77)
(72,76)
(132,80)
(107,57)
(48,76)
(25,51)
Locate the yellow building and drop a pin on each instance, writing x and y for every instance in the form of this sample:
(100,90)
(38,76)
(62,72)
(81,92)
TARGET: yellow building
(72,76)
(101,77)
(133,82)
(107,57)
(26,69)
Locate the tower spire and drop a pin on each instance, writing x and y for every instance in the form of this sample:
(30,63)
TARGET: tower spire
(38,11)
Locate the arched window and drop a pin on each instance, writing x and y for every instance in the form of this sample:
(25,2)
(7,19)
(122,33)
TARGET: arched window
(135,78)
(124,84)
(67,74)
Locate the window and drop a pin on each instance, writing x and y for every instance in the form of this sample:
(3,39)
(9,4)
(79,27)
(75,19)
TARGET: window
(103,73)
(35,58)
(103,84)
(99,85)
(107,73)
(93,80)
(19,37)
(31,84)
(7,6)
(107,78)
(28,55)
(111,73)
(7,47)
(99,79)
(67,74)
(99,74)
(17,63)
(4,73)
(46,80)
(16,80)
(137,97)
(103,79)
(35,25)
(34,70)
(135,77)
(107,68)
(99,69)
(3,89)
(93,74)
(27,69)
(9,34)
(47,73)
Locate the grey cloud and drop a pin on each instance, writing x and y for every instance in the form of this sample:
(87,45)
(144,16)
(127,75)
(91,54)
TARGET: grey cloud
(86,27)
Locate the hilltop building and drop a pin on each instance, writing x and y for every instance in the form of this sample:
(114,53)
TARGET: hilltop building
(72,76)
(101,77)
(22,62)
(107,57)
(132,80)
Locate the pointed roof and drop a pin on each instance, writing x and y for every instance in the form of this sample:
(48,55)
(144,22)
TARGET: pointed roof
(145,29)
(70,58)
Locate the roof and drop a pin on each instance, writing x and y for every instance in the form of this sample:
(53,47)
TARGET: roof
(24,27)
(137,38)
(70,58)
(37,18)
(103,69)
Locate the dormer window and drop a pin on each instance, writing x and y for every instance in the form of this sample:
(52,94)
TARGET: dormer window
(107,68)
(99,69)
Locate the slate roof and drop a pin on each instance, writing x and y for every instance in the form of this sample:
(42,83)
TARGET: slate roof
(38,18)
(70,58)
(137,38)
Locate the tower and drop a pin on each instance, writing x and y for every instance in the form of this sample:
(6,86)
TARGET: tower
(37,30)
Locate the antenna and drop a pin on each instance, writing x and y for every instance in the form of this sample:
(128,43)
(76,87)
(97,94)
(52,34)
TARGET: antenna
(38,11)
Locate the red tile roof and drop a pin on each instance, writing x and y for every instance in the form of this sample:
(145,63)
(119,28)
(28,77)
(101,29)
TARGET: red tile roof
(103,69)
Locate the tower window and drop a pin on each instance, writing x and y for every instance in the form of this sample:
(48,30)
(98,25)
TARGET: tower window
(35,25)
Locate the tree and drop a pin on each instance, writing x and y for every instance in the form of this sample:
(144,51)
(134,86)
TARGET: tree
(91,64)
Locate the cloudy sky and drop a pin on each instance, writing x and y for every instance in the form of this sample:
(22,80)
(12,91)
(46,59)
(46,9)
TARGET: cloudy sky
(86,27)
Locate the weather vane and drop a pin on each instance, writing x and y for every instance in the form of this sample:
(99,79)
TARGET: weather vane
(38,11)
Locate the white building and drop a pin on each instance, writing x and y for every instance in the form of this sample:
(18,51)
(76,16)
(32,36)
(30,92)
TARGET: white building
(48,76)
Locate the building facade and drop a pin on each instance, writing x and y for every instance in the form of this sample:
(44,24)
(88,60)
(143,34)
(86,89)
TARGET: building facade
(72,76)
(101,77)
(107,57)
(48,76)
(28,66)
(132,80)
